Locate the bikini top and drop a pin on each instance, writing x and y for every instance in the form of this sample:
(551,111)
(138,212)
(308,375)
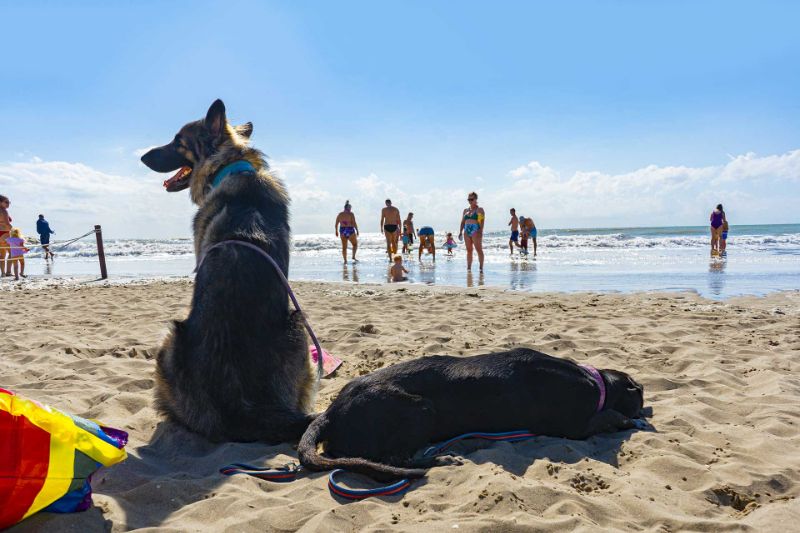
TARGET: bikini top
(471,215)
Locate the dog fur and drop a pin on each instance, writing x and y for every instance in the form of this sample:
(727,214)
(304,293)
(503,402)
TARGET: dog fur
(238,367)
(379,421)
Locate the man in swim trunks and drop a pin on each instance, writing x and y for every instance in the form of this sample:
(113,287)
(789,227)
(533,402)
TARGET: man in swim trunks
(346,228)
(408,233)
(426,234)
(514,223)
(5,228)
(390,226)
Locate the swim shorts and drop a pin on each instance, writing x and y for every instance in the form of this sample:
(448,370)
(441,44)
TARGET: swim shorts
(346,231)
(44,239)
(426,230)
(533,233)
(724,235)
(514,236)
(406,240)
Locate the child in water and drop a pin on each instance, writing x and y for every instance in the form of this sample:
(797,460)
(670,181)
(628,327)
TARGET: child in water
(397,271)
(450,244)
(17,248)
(723,239)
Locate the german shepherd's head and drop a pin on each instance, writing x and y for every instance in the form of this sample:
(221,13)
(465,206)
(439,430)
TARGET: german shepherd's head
(200,149)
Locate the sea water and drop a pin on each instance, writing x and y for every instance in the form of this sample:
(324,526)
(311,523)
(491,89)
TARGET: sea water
(760,259)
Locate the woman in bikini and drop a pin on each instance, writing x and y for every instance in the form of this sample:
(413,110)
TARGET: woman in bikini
(472,221)
(717,219)
(346,228)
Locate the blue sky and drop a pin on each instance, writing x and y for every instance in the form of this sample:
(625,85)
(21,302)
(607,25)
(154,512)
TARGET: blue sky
(578,113)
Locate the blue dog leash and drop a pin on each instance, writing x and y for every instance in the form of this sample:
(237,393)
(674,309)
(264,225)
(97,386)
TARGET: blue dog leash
(291,471)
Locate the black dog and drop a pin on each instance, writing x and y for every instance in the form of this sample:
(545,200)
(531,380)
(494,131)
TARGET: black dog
(237,368)
(378,421)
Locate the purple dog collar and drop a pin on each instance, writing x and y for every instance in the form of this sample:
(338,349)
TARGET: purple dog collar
(600,383)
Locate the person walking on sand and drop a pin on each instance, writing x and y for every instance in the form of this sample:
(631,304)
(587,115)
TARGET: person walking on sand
(390,227)
(44,231)
(514,223)
(717,219)
(472,221)
(346,228)
(5,229)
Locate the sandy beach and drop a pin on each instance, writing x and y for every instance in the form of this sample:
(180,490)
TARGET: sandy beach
(721,378)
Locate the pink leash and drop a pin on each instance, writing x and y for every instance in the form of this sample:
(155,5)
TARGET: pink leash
(270,260)
(600,383)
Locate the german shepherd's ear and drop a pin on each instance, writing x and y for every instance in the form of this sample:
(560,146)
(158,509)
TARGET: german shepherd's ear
(245,130)
(215,118)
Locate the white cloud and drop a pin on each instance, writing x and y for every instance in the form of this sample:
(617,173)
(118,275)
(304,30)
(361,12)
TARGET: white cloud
(754,189)
(654,195)
(75,196)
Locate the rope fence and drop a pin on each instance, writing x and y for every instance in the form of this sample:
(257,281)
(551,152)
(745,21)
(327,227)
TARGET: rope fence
(97,231)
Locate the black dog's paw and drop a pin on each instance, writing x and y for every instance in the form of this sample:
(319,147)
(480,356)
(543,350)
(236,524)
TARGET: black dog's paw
(641,423)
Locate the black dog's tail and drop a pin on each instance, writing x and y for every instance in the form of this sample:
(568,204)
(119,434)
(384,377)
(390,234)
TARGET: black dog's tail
(311,459)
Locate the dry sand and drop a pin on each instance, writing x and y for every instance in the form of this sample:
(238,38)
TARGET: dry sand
(721,378)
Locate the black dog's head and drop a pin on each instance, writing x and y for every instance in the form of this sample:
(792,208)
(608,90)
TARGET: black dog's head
(623,393)
(194,145)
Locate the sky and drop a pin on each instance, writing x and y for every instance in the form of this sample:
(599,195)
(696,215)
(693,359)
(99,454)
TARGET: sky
(579,114)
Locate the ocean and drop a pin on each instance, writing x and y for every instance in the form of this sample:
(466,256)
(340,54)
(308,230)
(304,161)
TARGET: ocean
(761,259)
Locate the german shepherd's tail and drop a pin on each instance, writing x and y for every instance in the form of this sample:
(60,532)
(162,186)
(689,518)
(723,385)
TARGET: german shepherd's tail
(311,459)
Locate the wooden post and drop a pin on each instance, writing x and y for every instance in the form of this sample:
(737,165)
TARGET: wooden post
(98,232)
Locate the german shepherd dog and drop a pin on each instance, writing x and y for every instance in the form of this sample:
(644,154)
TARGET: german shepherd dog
(238,367)
(378,421)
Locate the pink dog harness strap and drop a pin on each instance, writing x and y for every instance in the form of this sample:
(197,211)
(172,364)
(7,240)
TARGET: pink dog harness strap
(600,383)
(271,261)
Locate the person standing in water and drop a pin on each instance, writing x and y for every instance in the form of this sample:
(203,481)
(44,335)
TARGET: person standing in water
(391,223)
(717,219)
(5,229)
(44,231)
(346,228)
(529,230)
(514,223)
(408,233)
(723,238)
(472,221)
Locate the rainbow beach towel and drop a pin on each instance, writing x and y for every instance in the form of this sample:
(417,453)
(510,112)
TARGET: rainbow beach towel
(47,458)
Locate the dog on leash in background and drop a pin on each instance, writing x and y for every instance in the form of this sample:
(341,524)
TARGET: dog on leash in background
(238,367)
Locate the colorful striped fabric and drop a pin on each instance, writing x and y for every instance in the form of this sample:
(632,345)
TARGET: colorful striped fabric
(47,458)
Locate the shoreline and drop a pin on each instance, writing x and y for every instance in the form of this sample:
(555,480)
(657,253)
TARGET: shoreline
(37,283)
(721,379)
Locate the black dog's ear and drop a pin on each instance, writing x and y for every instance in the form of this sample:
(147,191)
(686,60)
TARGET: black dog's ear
(215,118)
(245,130)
